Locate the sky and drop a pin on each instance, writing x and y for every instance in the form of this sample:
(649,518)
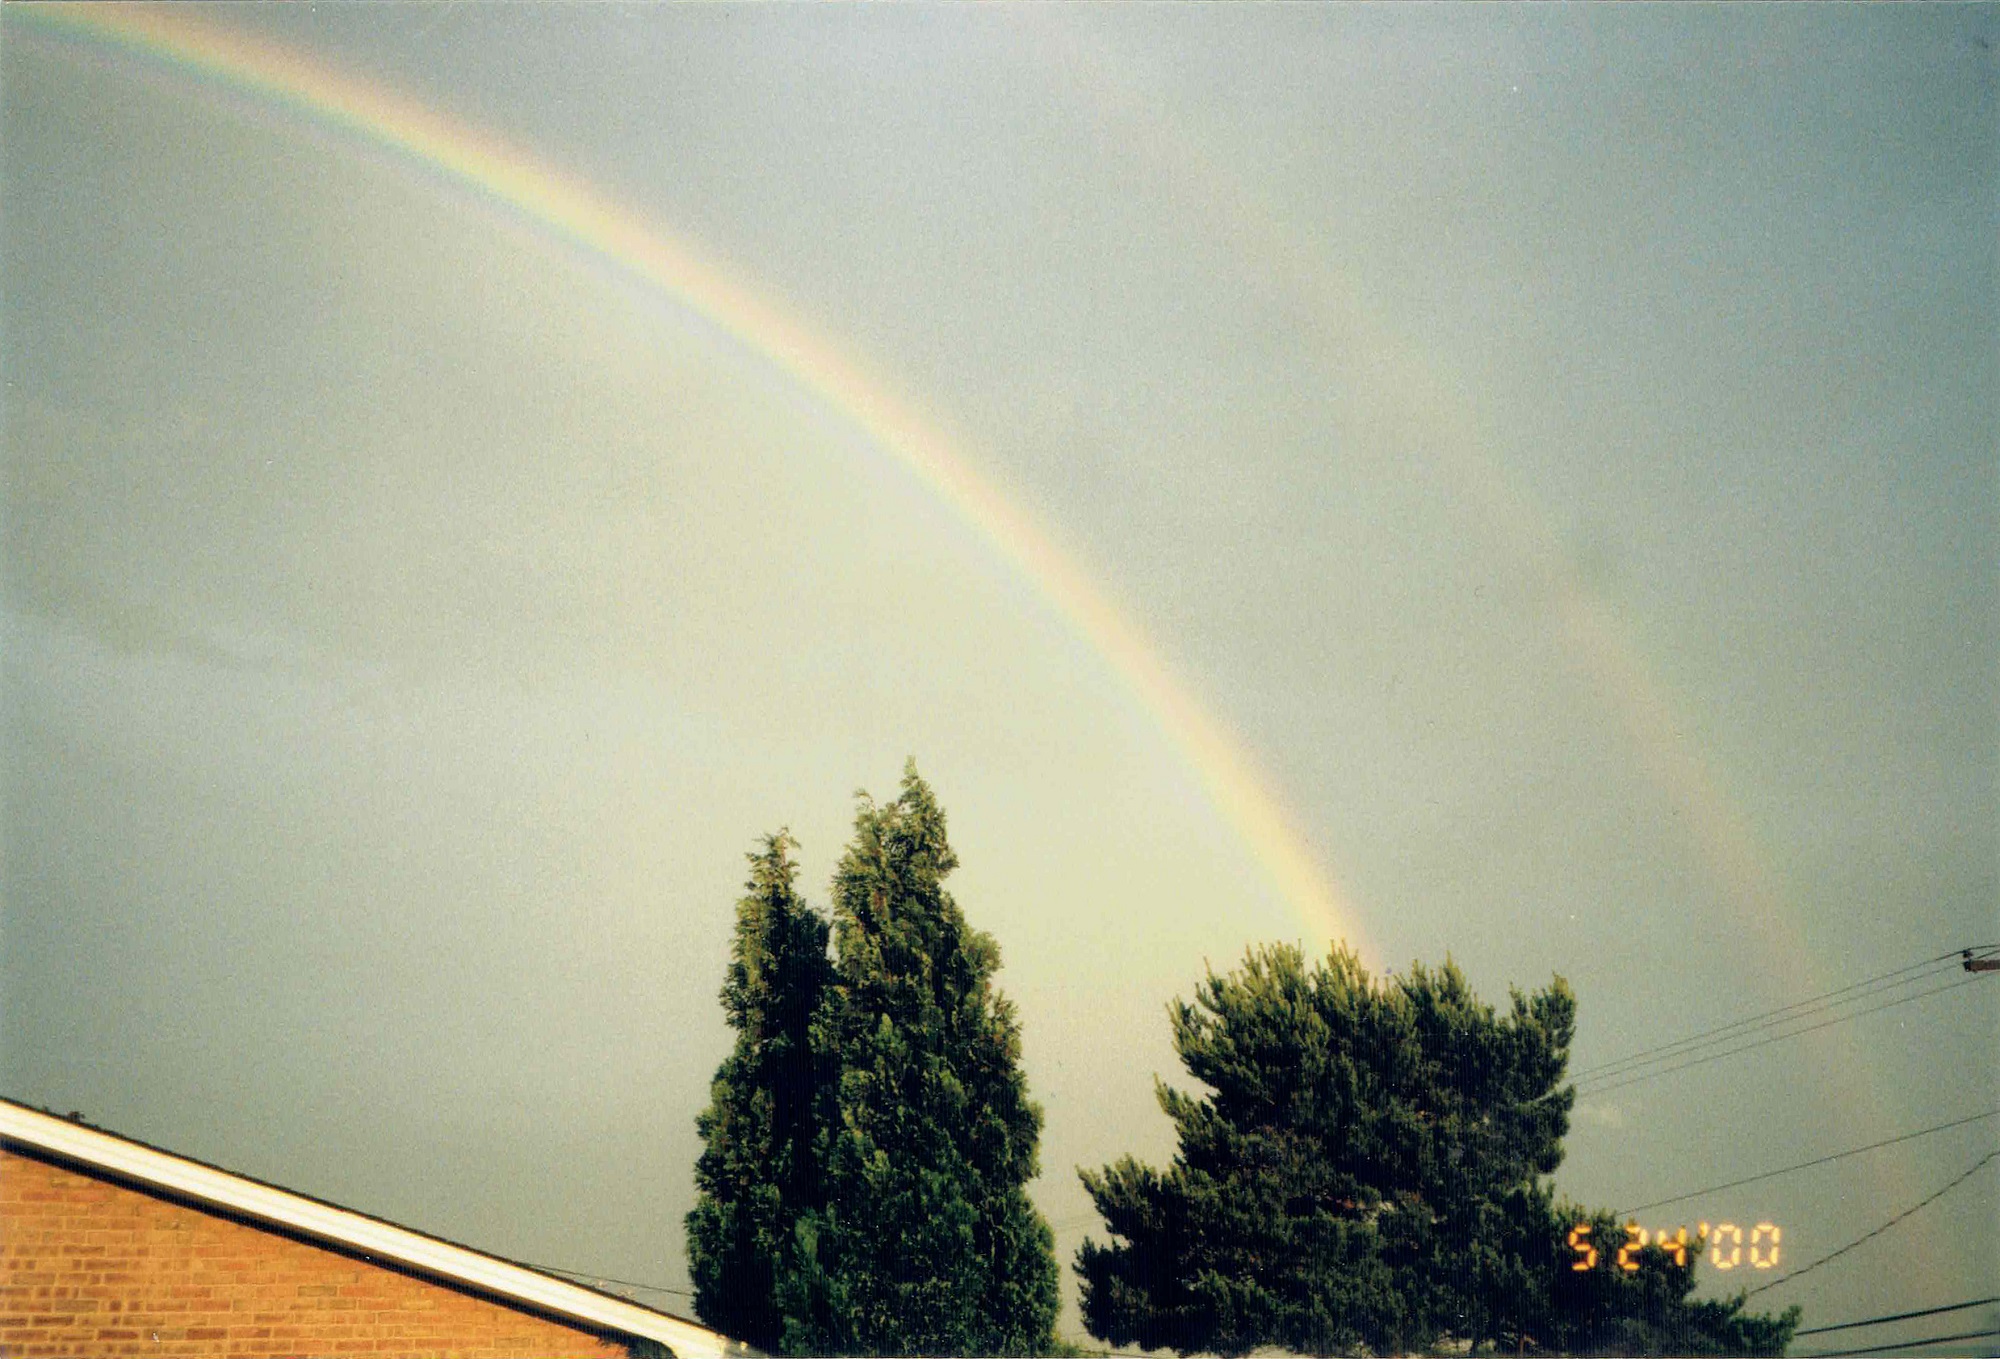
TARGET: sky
(1535,467)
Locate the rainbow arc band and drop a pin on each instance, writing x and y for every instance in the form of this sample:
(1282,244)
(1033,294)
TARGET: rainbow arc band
(587,220)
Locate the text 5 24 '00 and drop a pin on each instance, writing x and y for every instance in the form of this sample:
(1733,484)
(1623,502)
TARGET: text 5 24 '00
(1725,1243)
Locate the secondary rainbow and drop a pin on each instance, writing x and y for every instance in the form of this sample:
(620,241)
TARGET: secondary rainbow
(591,221)
(1409,399)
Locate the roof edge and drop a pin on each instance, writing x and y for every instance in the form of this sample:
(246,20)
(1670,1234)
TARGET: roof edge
(413,1250)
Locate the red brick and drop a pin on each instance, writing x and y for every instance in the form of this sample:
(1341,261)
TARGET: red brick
(92,1267)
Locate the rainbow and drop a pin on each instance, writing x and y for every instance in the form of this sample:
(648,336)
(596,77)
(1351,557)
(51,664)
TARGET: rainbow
(1404,398)
(587,220)
(1410,402)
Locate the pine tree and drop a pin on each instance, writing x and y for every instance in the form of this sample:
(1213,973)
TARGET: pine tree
(928,1243)
(760,1171)
(1367,1175)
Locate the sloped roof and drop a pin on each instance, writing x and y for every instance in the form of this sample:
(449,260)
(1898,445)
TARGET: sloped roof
(136,1162)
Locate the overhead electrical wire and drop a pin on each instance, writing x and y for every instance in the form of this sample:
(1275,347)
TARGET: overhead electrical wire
(1635,1075)
(1866,1237)
(1754,1025)
(1900,1345)
(1784,1014)
(1786,1021)
(1816,1161)
(1896,1316)
(598,1280)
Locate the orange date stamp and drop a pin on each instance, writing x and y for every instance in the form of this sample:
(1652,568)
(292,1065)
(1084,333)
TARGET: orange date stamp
(1725,1242)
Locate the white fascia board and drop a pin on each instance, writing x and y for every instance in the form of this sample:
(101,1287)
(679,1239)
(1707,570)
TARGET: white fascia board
(424,1254)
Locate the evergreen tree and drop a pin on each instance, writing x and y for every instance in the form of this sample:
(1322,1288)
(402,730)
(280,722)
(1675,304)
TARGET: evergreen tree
(760,1169)
(927,1243)
(1367,1175)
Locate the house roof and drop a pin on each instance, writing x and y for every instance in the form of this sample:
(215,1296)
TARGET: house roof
(433,1257)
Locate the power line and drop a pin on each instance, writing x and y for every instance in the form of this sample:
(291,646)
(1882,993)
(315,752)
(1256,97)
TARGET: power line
(1897,1316)
(587,1277)
(1977,1166)
(1783,1014)
(1817,1161)
(1599,1089)
(1633,1066)
(1901,1345)
(1598,1082)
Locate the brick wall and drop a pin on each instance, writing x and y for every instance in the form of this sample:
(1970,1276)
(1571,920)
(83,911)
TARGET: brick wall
(91,1267)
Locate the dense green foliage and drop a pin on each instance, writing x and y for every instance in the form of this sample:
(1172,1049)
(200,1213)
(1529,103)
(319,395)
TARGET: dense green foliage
(930,1242)
(760,1174)
(863,1184)
(1367,1177)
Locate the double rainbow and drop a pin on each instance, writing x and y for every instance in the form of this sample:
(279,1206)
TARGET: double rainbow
(511,181)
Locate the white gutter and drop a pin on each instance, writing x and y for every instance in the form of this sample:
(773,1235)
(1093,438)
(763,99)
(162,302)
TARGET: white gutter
(424,1254)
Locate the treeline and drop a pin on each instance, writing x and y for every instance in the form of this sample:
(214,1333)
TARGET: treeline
(1368,1175)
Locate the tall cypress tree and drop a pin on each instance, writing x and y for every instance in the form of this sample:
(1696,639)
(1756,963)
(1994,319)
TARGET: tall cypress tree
(760,1170)
(928,1243)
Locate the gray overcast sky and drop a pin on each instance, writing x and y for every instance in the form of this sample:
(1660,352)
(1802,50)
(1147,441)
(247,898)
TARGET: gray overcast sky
(1559,444)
